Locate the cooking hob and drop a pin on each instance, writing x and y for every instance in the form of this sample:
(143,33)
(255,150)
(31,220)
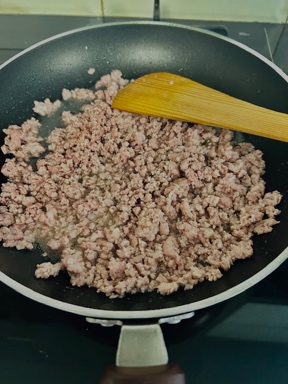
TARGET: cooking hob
(243,340)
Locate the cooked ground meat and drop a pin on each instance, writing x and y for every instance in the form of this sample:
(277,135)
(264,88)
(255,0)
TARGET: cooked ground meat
(46,107)
(91,71)
(131,203)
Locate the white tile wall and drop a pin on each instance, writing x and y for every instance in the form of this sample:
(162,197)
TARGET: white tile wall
(128,8)
(233,10)
(52,7)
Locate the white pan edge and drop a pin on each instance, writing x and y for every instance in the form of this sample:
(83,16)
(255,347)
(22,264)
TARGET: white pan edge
(165,312)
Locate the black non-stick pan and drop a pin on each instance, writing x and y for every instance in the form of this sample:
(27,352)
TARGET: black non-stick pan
(136,49)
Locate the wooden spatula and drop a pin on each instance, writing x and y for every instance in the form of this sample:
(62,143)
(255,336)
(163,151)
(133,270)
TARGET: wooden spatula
(178,98)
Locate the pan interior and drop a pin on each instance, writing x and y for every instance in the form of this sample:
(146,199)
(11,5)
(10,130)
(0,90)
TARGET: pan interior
(137,49)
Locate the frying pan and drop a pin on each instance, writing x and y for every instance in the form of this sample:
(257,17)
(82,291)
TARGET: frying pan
(136,49)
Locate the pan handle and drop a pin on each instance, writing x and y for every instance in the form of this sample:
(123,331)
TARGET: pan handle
(142,358)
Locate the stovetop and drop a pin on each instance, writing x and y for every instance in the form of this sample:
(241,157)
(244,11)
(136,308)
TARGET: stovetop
(244,340)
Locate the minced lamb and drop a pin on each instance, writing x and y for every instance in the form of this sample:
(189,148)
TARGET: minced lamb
(131,203)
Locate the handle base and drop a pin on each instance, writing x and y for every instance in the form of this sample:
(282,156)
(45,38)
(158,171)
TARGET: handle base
(163,374)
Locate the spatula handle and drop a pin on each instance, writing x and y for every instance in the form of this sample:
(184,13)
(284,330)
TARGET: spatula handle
(222,110)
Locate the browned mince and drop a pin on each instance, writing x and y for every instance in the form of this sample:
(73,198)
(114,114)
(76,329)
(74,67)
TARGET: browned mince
(131,203)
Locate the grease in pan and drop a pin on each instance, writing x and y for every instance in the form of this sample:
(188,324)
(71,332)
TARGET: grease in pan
(131,203)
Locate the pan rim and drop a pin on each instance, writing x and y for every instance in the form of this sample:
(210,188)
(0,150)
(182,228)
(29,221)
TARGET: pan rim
(146,314)
(155,313)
